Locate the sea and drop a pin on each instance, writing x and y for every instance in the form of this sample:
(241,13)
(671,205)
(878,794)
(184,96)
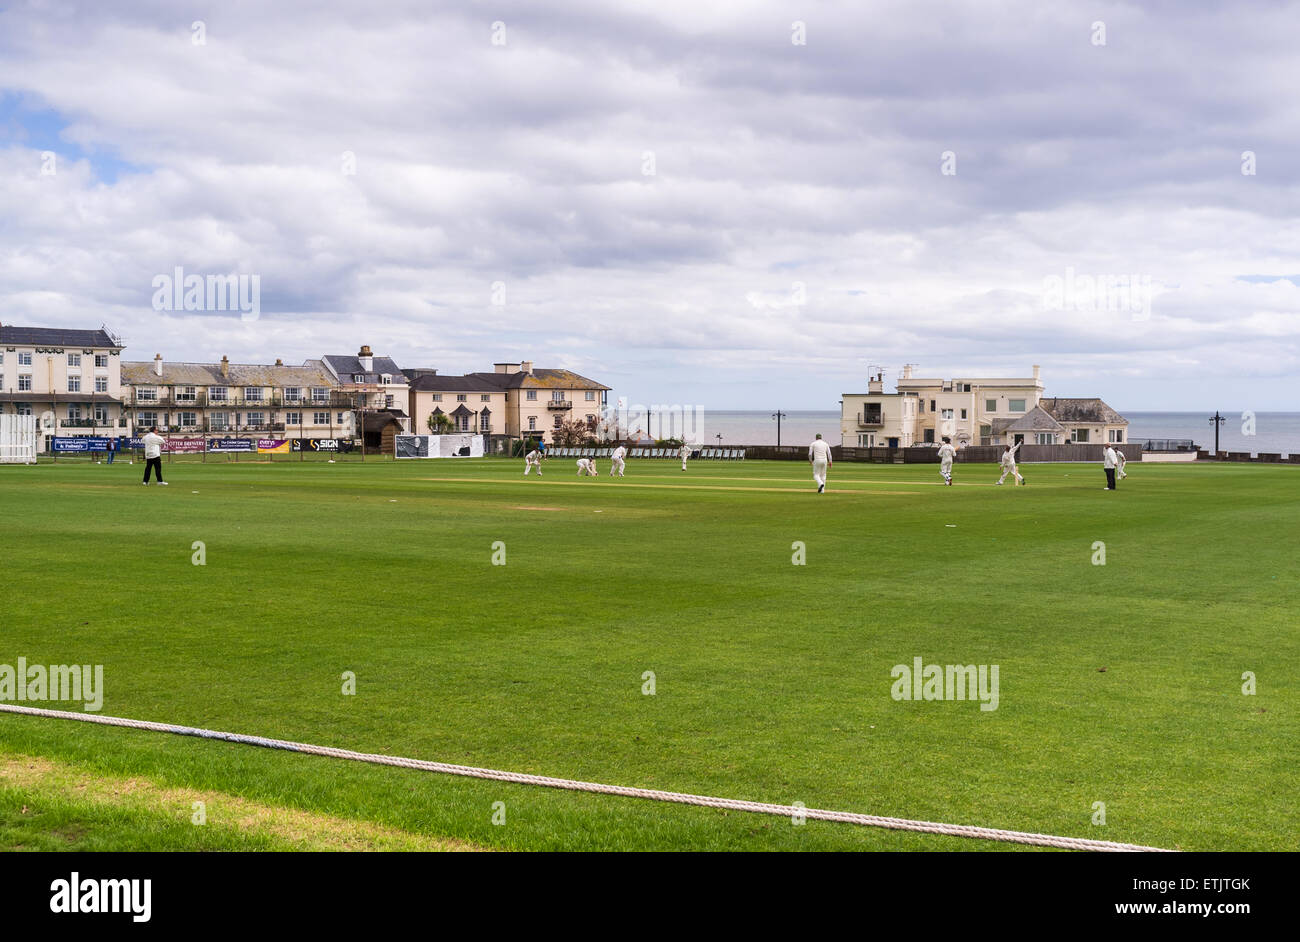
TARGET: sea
(1277,432)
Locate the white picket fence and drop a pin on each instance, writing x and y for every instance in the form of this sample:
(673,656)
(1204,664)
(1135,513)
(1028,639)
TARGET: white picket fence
(17,439)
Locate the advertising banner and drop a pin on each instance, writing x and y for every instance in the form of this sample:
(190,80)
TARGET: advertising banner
(184,446)
(323,444)
(231,445)
(78,444)
(273,446)
(463,445)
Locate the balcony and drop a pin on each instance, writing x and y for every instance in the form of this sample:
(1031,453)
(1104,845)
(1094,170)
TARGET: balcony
(870,420)
(559,405)
(89,423)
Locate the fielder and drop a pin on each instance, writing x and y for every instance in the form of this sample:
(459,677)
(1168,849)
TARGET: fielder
(533,460)
(946,454)
(587,467)
(685,452)
(1120,461)
(1009,464)
(616,461)
(819,456)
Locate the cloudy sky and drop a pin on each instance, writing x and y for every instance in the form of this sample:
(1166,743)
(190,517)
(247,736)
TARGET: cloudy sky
(739,205)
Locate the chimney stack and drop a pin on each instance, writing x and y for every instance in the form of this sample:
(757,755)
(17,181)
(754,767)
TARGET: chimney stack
(225,365)
(279,362)
(907,371)
(527,367)
(1036,372)
(366,358)
(876,384)
(157,364)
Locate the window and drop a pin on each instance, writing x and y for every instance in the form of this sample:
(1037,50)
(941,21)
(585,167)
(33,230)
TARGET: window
(74,359)
(1015,405)
(185,394)
(388,402)
(557,395)
(101,361)
(1044,438)
(218,394)
(531,395)
(931,405)
(23,408)
(437,397)
(1079,435)
(293,394)
(559,420)
(385,379)
(965,387)
(74,384)
(485,398)
(963,413)
(358,377)
(342,418)
(218,420)
(1117,436)
(484,422)
(990,405)
(74,413)
(461,398)
(320,394)
(101,384)
(188,419)
(320,418)
(146,419)
(462,423)
(101,415)
(532,423)
(24,382)
(591,395)
(293,418)
(253,394)
(24,358)
(946,415)
(2,382)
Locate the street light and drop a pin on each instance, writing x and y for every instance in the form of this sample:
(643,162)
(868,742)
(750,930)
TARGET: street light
(778,415)
(1216,420)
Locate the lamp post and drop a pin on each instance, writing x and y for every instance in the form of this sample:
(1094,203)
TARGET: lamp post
(1216,420)
(778,415)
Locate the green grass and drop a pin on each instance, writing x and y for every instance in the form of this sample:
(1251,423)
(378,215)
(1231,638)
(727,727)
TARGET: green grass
(773,680)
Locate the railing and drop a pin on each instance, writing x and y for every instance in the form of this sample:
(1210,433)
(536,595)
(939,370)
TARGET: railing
(870,420)
(558,405)
(1164,444)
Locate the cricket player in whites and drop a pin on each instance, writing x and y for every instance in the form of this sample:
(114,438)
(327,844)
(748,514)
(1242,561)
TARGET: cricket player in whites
(587,466)
(1009,464)
(1120,461)
(819,456)
(685,452)
(946,454)
(533,460)
(616,461)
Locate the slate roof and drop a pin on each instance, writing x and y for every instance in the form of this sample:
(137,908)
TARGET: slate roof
(1082,411)
(454,384)
(347,367)
(56,337)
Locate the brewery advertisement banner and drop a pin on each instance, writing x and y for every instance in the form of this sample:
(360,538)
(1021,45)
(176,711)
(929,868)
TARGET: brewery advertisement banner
(185,446)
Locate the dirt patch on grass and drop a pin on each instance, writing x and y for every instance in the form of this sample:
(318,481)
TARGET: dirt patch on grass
(305,830)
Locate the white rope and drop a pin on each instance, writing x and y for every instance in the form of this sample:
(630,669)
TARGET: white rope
(786,811)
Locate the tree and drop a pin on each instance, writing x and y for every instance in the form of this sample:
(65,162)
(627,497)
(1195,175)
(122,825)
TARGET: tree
(440,424)
(573,432)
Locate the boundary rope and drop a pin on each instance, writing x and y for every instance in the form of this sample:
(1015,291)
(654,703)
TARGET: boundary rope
(756,807)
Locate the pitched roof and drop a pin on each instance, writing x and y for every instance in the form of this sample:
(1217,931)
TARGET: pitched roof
(540,379)
(1035,420)
(311,373)
(347,367)
(56,337)
(458,384)
(1082,411)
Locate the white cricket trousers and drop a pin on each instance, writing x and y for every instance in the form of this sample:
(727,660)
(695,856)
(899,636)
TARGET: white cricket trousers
(616,467)
(945,468)
(819,472)
(1011,470)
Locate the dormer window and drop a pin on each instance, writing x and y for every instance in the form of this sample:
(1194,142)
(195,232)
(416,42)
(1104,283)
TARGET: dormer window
(385,379)
(358,377)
